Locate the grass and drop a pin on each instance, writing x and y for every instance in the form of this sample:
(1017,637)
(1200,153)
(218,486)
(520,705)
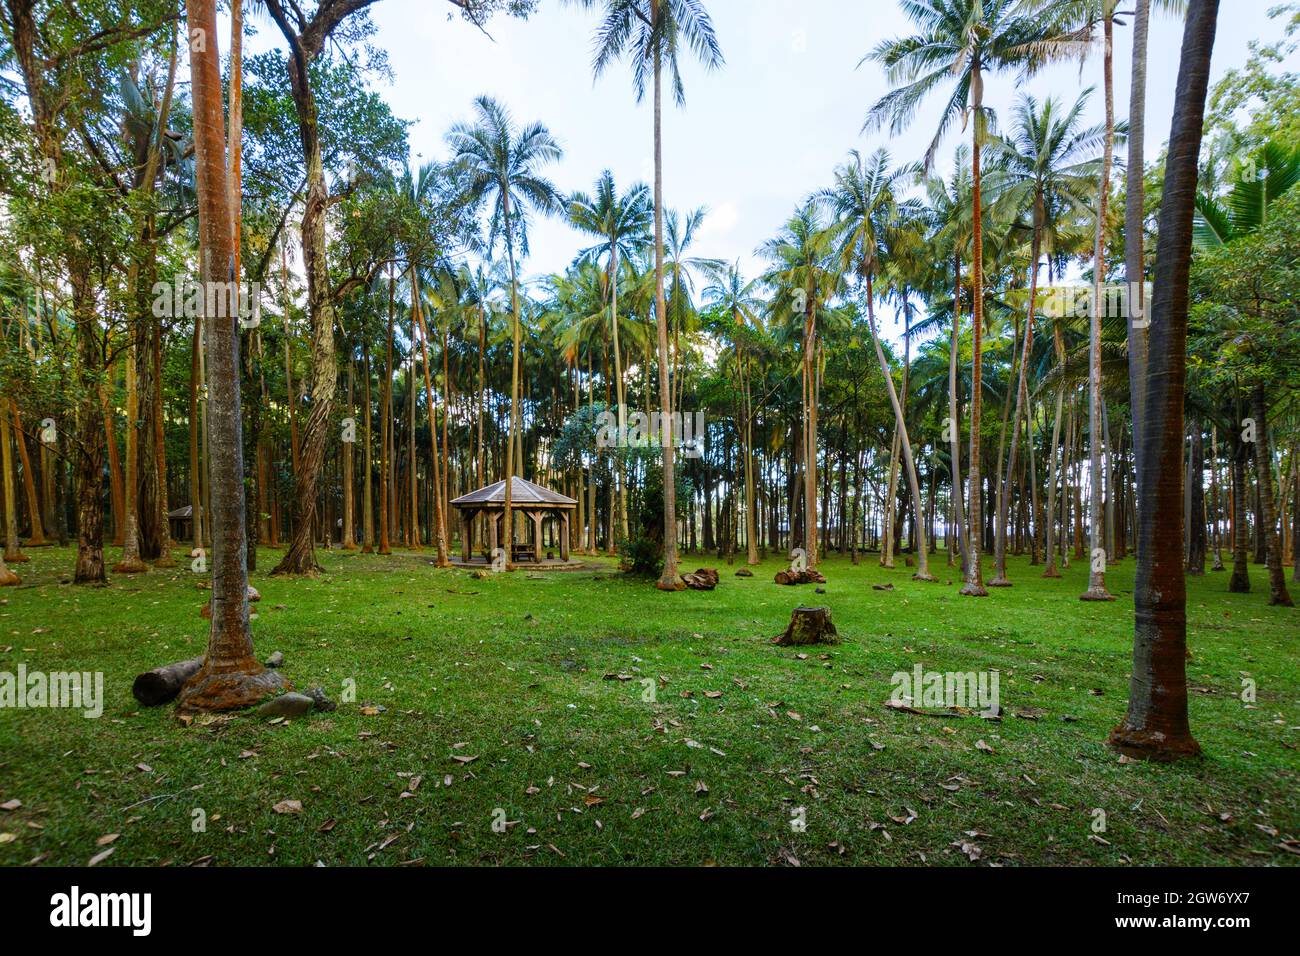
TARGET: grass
(512,672)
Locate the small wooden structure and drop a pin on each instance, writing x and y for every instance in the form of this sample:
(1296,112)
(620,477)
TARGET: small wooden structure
(181,523)
(531,500)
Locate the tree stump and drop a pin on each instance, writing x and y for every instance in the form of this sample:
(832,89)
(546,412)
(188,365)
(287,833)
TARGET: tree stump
(808,625)
(163,683)
(704,579)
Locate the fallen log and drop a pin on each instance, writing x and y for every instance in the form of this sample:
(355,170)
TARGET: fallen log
(704,579)
(806,576)
(162,684)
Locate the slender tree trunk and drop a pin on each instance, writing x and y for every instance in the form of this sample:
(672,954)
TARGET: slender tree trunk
(1156,726)
(1134,215)
(670,580)
(974,586)
(1096,429)
(1022,401)
(1277,592)
(231,676)
(900,424)
(37,537)
(954,416)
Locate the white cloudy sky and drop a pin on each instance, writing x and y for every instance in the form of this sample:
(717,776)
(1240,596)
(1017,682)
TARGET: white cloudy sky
(755,137)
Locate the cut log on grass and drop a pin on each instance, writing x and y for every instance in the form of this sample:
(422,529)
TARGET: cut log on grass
(808,625)
(162,684)
(807,576)
(704,579)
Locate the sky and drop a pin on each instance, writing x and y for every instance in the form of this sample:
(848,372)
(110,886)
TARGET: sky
(756,137)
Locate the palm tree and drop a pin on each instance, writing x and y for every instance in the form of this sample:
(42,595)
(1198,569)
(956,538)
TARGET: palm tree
(501,164)
(1156,725)
(623,222)
(650,32)
(961,40)
(739,300)
(806,277)
(951,216)
(231,676)
(868,218)
(1045,167)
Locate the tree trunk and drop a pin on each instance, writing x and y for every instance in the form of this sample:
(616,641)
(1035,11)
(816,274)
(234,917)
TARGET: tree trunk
(1277,592)
(231,676)
(1096,428)
(974,585)
(1156,725)
(670,580)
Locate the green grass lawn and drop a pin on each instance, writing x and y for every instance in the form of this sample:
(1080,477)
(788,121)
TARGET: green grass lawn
(510,675)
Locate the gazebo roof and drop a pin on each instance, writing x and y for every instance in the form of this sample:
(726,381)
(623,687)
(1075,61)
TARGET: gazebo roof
(522,493)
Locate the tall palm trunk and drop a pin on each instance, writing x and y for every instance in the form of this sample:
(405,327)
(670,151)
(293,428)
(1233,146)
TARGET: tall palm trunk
(1156,725)
(1022,400)
(900,423)
(974,586)
(670,580)
(751,518)
(231,676)
(508,519)
(1051,570)
(954,402)
(439,519)
(1096,427)
(618,387)
(367,492)
(1277,592)
(1134,214)
(386,427)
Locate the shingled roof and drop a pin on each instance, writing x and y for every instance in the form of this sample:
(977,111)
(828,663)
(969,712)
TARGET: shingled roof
(522,493)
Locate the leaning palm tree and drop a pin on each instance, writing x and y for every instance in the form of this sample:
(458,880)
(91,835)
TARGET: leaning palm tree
(623,224)
(868,218)
(500,163)
(230,677)
(1156,726)
(961,41)
(651,32)
(1045,168)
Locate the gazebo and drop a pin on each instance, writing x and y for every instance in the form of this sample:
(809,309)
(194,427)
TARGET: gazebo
(532,500)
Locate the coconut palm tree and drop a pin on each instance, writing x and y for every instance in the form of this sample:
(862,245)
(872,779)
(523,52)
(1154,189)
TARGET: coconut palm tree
(951,214)
(651,32)
(960,41)
(740,301)
(231,677)
(1156,725)
(501,164)
(805,275)
(623,222)
(1045,168)
(868,218)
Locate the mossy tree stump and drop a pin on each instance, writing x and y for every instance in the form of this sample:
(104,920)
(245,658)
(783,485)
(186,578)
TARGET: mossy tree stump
(808,625)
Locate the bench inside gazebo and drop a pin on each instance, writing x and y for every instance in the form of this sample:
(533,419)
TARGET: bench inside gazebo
(536,503)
